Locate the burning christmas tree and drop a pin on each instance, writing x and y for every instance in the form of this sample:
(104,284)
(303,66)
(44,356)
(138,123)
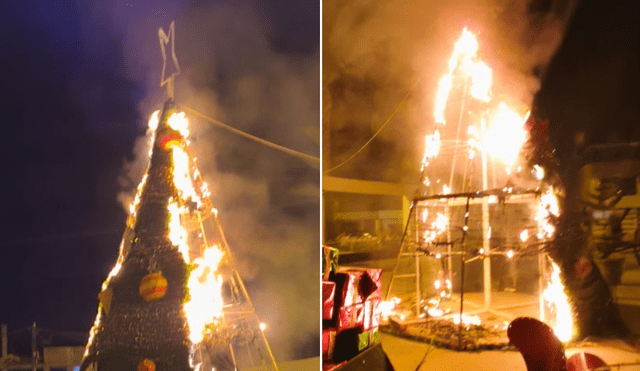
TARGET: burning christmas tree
(174,300)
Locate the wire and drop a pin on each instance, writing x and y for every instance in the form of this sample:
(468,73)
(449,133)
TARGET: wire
(314,160)
(429,350)
(377,132)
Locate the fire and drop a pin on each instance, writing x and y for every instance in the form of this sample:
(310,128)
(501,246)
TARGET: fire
(547,208)
(386,307)
(178,122)
(181,176)
(505,136)
(438,227)
(505,133)
(558,304)
(467,319)
(464,58)
(205,284)
(177,234)
(205,304)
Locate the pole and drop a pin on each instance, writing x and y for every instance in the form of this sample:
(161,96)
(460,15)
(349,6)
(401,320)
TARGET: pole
(34,349)
(417,259)
(462,259)
(486,246)
(4,343)
(541,281)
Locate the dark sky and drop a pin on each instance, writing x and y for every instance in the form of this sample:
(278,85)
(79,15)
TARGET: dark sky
(80,78)
(592,84)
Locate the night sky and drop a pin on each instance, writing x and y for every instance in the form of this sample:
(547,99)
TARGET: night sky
(592,83)
(80,80)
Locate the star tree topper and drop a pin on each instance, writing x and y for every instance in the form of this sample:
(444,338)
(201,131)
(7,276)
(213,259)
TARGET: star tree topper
(166,39)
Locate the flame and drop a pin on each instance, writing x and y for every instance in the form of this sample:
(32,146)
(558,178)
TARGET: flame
(467,319)
(181,176)
(154,120)
(386,307)
(205,285)
(539,171)
(432,147)
(464,58)
(438,227)
(547,208)
(506,135)
(558,304)
(205,304)
(178,122)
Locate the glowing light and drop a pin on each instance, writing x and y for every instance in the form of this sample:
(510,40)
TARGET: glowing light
(435,312)
(438,226)
(425,214)
(558,304)
(432,147)
(510,254)
(445,189)
(181,176)
(505,136)
(539,171)
(467,319)
(263,326)
(524,235)
(481,77)
(154,119)
(205,291)
(177,234)
(178,122)
(547,208)
(386,307)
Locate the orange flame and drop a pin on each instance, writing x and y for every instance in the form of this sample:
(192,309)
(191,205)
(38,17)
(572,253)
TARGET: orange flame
(558,304)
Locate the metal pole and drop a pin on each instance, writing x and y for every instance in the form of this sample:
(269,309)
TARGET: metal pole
(4,342)
(404,235)
(34,349)
(543,274)
(417,260)
(462,259)
(485,230)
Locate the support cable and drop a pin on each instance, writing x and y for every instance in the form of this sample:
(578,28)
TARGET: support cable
(314,160)
(376,133)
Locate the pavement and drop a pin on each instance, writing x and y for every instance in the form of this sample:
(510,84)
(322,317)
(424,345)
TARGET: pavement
(407,355)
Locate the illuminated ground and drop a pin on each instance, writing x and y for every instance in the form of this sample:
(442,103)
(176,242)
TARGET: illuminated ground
(407,354)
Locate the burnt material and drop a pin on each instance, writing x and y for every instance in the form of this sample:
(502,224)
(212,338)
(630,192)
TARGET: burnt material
(133,329)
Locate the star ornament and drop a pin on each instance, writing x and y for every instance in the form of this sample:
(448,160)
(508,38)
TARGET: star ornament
(166,39)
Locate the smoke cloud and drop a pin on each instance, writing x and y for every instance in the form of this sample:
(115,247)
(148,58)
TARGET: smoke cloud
(378,56)
(268,201)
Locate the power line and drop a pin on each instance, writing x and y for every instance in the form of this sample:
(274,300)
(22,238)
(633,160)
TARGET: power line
(376,133)
(312,159)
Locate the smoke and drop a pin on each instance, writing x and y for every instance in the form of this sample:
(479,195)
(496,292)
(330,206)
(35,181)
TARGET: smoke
(376,54)
(268,201)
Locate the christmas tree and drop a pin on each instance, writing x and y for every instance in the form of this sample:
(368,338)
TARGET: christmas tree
(174,300)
